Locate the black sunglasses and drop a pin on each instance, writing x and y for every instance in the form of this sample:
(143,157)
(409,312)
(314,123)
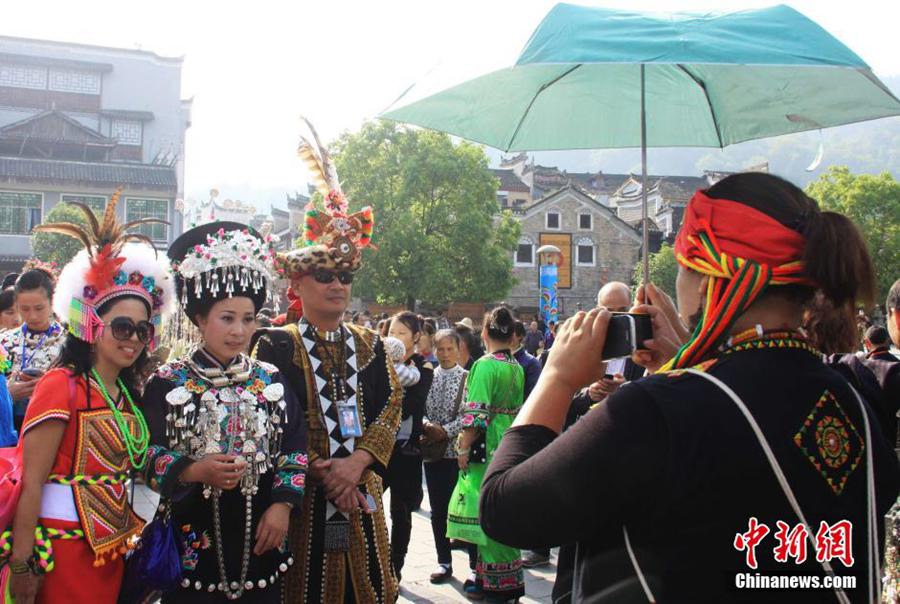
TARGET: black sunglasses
(123,328)
(323,275)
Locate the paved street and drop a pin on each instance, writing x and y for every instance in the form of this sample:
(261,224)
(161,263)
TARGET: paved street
(420,562)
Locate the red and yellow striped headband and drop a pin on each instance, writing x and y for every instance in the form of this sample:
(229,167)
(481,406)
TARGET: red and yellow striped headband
(743,251)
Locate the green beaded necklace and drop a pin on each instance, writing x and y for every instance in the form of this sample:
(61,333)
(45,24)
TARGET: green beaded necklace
(136,447)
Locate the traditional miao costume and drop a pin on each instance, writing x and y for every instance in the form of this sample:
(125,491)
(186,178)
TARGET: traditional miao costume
(86,522)
(493,398)
(195,406)
(352,398)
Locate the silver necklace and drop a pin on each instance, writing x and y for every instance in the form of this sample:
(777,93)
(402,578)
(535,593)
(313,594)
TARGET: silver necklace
(235,589)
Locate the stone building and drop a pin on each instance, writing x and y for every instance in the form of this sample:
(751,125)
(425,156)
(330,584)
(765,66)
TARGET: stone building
(667,195)
(76,122)
(597,247)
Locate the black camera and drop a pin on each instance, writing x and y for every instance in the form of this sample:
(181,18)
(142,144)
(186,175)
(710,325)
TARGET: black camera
(625,334)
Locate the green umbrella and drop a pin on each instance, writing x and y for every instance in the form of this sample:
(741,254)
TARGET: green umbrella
(594,78)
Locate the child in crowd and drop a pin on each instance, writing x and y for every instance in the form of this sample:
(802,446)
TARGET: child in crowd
(396,351)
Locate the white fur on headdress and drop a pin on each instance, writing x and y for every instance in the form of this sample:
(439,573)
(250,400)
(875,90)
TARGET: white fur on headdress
(139,257)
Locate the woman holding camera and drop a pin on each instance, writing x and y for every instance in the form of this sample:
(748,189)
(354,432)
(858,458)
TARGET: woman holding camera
(493,398)
(669,486)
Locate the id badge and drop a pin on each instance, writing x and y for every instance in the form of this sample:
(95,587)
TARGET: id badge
(348,416)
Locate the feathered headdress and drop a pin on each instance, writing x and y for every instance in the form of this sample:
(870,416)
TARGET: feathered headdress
(113,263)
(332,238)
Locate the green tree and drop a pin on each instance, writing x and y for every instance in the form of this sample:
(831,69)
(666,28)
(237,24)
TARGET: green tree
(54,247)
(872,201)
(663,269)
(439,231)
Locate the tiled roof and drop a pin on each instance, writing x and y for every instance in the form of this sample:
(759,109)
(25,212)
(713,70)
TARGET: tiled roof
(596,183)
(56,126)
(681,188)
(49,170)
(510,182)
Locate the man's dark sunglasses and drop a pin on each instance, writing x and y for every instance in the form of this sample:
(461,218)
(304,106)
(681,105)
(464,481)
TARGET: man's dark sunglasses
(323,275)
(123,328)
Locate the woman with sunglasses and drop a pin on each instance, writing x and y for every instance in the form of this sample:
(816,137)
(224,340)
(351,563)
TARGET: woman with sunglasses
(83,434)
(228,452)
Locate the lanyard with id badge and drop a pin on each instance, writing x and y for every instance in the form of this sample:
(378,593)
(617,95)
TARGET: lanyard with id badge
(348,417)
(347,412)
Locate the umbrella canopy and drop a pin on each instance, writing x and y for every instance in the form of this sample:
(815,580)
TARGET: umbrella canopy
(709,80)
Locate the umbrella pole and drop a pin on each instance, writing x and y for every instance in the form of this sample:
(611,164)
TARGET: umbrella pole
(645,250)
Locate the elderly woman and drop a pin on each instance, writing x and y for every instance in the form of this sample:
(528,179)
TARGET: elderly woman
(443,409)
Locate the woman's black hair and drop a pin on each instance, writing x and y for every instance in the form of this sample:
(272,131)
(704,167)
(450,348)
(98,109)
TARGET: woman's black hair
(500,324)
(9,280)
(7,299)
(519,329)
(35,279)
(428,327)
(467,336)
(411,320)
(75,354)
(835,256)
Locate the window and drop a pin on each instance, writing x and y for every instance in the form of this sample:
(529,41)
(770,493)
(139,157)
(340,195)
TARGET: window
(23,76)
(553,220)
(585,252)
(149,208)
(75,80)
(525,252)
(19,212)
(586,222)
(94,202)
(127,132)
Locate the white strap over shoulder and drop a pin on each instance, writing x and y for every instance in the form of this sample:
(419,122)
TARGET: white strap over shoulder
(871,528)
(871,523)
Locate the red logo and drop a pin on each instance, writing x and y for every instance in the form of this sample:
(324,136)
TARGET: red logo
(832,541)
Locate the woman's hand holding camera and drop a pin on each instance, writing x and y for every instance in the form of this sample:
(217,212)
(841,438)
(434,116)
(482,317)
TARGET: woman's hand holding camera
(661,300)
(579,340)
(574,362)
(665,343)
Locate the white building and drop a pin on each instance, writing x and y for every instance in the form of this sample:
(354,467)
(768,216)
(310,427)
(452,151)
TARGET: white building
(78,121)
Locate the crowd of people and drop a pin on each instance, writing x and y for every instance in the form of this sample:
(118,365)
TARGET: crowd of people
(749,414)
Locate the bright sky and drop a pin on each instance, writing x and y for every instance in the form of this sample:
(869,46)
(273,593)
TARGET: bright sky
(254,67)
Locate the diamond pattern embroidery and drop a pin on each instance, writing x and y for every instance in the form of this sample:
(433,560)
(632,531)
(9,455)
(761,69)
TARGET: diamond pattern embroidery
(338,445)
(830,441)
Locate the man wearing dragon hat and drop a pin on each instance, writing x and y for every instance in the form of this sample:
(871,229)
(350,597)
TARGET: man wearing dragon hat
(340,375)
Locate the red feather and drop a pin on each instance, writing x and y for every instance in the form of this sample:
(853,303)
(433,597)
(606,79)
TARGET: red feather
(104,267)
